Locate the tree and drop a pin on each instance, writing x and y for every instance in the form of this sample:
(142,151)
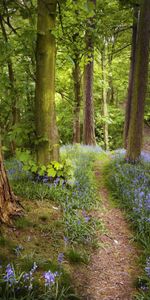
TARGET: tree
(104,96)
(11,75)
(88,125)
(139,84)
(71,48)
(17,72)
(8,206)
(77,93)
(131,75)
(46,129)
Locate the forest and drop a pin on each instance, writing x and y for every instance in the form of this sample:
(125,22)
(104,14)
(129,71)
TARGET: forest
(74,149)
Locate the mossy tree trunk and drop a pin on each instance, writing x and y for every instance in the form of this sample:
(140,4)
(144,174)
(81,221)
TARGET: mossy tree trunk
(139,84)
(77,105)
(88,125)
(131,75)
(8,205)
(46,129)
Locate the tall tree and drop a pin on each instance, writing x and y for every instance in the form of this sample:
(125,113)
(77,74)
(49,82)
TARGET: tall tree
(46,129)
(105,96)
(71,43)
(77,94)
(139,84)
(131,75)
(88,125)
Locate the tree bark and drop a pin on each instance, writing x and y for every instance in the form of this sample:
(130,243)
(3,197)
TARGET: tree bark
(77,93)
(139,84)
(131,75)
(104,98)
(8,205)
(88,125)
(46,129)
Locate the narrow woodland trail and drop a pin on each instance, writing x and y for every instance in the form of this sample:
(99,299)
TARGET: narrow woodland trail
(112,269)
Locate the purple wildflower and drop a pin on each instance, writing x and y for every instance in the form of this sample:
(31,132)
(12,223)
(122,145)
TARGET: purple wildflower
(10,275)
(87,219)
(49,278)
(60,258)
(34,267)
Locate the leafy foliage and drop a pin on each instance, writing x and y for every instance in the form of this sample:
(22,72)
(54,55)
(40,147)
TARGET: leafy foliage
(75,195)
(54,170)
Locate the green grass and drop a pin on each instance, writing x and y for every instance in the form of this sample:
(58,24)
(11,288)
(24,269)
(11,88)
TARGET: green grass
(77,257)
(23,223)
(57,219)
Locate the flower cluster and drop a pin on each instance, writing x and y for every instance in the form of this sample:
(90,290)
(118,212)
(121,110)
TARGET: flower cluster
(145,156)
(49,278)
(82,195)
(10,277)
(131,184)
(20,283)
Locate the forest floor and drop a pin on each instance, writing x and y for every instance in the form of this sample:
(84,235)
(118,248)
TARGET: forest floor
(114,262)
(113,269)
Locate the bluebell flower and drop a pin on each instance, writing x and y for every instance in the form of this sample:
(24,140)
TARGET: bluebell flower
(49,278)
(18,250)
(60,258)
(87,219)
(34,267)
(65,240)
(10,277)
(26,276)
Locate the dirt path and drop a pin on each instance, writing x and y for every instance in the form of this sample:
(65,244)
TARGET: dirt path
(113,267)
(112,270)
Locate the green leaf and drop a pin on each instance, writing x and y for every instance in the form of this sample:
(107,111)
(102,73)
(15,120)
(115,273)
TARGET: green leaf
(34,169)
(51,172)
(43,168)
(26,168)
(57,165)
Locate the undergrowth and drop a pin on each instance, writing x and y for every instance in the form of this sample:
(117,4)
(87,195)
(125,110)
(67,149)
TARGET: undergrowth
(58,211)
(130,185)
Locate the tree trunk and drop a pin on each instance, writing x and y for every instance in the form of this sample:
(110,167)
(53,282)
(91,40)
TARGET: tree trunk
(131,76)
(88,126)
(139,85)
(77,92)
(104,98)
(110,92)
(8,205)
(13,90)
(46,129)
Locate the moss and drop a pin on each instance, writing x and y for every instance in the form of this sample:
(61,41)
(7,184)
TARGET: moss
(45,84)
